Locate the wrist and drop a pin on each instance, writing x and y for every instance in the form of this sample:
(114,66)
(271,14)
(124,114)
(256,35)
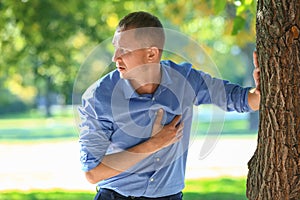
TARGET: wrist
(150,146)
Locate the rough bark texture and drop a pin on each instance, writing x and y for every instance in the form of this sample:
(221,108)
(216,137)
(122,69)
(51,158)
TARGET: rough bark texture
(274,169)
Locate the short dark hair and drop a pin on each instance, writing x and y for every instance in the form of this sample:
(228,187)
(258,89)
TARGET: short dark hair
(147,26)
(139,19)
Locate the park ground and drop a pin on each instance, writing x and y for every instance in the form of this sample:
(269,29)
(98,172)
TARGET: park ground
(39,159)
(55,164)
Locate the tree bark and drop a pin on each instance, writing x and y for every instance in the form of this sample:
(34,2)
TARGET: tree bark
(274,169)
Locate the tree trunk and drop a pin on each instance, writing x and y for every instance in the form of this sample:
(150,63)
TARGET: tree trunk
(274,169)
(48,102)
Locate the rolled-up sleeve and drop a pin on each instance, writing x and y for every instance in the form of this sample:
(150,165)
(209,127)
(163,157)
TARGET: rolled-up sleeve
(95,130)
(222,93)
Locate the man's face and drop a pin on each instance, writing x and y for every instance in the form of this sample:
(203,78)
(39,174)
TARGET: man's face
(129,54)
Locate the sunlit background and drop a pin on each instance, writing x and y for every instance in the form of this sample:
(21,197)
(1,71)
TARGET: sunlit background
(42,47)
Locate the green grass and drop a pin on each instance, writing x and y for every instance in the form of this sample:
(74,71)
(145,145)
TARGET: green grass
(206,189)
(215,189)
(226,127)
(46,195)
(34,126)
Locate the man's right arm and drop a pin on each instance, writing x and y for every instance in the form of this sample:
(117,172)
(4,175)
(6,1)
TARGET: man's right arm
(114,164)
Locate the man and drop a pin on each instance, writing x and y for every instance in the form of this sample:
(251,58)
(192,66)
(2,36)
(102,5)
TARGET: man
(136,120)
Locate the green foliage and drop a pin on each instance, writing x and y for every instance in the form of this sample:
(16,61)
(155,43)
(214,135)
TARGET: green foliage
(219,6)
(9,103)
(245,10)
(238,23)
(45,42)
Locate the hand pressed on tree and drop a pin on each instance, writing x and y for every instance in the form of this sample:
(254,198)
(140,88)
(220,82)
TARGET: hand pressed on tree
(254,94)
(256,73)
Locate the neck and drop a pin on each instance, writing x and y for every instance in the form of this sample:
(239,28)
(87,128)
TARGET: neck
(147,88)
(148,84)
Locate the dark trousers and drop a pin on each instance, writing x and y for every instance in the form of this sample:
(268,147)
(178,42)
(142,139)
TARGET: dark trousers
(105,194)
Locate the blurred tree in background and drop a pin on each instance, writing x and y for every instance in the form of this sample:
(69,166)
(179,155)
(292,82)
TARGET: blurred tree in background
(43,43)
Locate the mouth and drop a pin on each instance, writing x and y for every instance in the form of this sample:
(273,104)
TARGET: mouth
(120,68)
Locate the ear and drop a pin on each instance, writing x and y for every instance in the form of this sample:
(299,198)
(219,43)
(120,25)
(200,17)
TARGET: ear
(153,54)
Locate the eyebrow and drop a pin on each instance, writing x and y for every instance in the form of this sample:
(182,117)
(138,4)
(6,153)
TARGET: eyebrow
(118,44)
(115,44)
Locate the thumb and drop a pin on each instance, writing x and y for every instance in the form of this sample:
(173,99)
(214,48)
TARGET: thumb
(157,123)
(255,59)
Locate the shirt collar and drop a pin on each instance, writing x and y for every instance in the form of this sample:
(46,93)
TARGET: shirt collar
(166,80)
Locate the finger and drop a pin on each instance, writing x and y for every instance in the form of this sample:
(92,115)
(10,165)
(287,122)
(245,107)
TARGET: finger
(180,126)
(176,120)
(256,77)
(255,61)
(179,136)
(256,73)
(157,126)
(159,116)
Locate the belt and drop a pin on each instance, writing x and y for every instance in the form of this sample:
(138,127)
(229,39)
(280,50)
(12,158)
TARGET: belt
(118,196)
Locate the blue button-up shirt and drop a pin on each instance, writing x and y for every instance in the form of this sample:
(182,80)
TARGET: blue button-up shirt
(114,118)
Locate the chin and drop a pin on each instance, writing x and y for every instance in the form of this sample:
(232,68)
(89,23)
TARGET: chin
(123,76)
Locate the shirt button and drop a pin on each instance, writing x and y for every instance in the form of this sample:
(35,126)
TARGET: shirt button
(157,159)
(153,98)
(151,179)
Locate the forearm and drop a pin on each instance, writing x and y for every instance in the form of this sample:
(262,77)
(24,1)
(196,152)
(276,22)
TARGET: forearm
(254,99)
(161,137)
(116,163)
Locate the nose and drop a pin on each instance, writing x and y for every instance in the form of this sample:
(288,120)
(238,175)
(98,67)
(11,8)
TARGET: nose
(116,55)
(113,58)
